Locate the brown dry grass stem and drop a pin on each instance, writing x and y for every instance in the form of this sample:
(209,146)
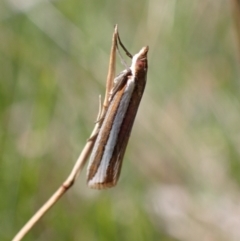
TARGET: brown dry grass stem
(84,154)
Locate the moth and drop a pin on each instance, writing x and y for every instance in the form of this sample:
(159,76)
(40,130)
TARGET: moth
(109,148)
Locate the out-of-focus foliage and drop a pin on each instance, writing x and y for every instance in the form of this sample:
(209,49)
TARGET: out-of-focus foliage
(181,173)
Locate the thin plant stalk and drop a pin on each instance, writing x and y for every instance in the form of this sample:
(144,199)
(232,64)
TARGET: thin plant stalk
(84,154)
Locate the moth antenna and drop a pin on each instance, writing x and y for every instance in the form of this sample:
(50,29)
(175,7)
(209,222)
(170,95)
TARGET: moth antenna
(121,44)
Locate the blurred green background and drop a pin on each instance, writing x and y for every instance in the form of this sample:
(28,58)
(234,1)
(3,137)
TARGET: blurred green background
(181,174)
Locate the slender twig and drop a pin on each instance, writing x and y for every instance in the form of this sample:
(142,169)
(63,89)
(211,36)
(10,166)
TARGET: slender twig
(84,154)
(111,74)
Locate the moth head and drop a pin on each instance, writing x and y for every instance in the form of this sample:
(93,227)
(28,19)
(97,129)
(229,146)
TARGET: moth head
(139,60)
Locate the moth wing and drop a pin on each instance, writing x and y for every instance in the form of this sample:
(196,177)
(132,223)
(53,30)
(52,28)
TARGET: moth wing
(119,81)
(115,164)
